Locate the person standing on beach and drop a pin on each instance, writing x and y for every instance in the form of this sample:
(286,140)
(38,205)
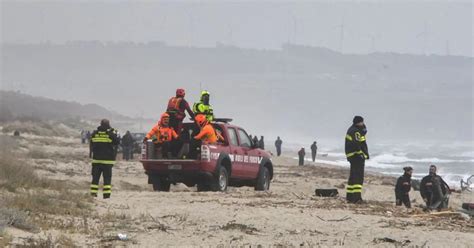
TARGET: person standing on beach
(301,155)
(403,187)
(103,151)
(278,144)
(314,150)
(356,152)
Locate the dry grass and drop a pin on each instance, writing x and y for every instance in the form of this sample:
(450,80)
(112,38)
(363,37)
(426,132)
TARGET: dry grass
(15,173)
(41,128)
(35,202)
(15,218)
(48,242)
(51,202)
(38,153)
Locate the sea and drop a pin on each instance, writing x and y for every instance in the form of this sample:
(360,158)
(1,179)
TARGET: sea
(454,160)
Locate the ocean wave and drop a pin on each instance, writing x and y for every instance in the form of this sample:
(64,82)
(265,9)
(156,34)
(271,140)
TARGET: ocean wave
(400,159)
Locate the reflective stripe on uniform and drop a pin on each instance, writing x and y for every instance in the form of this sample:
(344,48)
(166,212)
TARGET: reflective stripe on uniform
(101,140)
(355,188)
(94,188)
(109,162)
(348,137)
(107,189)
(354,153)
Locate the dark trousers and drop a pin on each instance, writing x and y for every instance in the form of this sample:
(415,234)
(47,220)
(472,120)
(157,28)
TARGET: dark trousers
(97,171)
(127,152)
(356,179)
(405,199)
(278,151)
(301,162)
(176,122)
(313,154)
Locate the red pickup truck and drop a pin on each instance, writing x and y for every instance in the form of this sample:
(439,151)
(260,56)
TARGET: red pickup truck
(236,161)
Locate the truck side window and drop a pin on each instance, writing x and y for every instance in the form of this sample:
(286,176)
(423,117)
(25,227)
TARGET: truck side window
(232,137)
(244,139)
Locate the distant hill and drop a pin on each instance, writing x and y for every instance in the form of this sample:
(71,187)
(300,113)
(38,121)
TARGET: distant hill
(15,105)
(297,91)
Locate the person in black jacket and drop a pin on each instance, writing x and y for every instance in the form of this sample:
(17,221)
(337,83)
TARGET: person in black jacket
(278,144)
(356,152)
(103,145)
(127,146)
(301,155)
(261,143)
(434,190)
(403,187)
(314,150)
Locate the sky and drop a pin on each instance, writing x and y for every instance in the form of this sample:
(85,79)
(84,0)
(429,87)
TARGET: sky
(415,27)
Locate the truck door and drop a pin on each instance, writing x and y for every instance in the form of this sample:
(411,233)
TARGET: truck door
(235,152)
(247,151)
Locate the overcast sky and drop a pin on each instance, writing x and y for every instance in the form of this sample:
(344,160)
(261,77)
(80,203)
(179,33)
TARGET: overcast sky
(390,26)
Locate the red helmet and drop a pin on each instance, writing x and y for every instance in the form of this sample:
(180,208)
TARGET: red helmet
(201,120)
(180,93)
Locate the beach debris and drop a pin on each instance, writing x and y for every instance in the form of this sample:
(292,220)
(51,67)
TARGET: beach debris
(232,225)
(467,185)
(390,240)
(327,192)
(122,236)
(336,220)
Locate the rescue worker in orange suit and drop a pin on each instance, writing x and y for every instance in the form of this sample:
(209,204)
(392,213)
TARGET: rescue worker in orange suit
(356,152)
(103,150)
(403,187)
(208,134)
(162,135)
(177,107)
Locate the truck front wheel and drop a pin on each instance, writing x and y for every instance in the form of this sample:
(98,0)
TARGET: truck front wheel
(263,180)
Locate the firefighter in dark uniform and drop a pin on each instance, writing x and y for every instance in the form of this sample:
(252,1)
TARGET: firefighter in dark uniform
(356,153)
(403,187)
(434,190)
(103,145)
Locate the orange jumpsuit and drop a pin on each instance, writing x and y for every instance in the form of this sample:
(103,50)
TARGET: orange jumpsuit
(163,134)
(207,135)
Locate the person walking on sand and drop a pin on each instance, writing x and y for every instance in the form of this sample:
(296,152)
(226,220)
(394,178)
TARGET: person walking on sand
(301,155)
(278,144)
(403,187)
(314,150)
(356,152)
(103,148)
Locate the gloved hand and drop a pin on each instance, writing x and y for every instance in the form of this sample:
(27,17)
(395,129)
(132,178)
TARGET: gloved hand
(145,140)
